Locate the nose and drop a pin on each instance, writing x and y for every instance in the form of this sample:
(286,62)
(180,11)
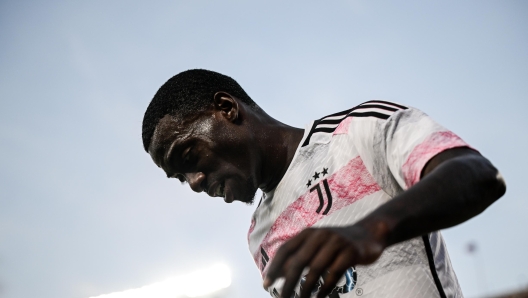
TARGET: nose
(195,181)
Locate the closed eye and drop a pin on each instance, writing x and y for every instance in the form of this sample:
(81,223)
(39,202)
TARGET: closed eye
(186,155)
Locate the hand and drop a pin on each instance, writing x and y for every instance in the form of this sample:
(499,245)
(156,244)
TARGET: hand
(328,252)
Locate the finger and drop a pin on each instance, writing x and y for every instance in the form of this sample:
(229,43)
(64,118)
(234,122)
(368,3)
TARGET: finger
(291,278)
(275,268)
(344,260)
(300,260)
(319,266)
(309,283)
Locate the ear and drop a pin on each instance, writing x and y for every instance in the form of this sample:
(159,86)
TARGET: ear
(227,105)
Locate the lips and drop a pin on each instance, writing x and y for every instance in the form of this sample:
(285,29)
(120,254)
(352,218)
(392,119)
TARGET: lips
(228,195)
(217,190)
(220,190)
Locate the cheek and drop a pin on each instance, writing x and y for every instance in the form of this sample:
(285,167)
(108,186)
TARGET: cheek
(235,166)
(233,155)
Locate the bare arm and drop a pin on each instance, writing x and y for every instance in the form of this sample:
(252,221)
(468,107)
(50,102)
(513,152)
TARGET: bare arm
(456,185)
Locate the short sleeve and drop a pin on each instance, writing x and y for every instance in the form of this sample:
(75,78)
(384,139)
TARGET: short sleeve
(396,149)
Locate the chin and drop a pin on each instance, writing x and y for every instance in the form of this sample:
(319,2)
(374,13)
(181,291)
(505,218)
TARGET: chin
(249,200)
(247,192)
(245,195)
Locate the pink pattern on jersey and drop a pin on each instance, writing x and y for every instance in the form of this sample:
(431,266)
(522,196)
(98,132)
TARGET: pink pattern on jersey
(342,128)
(251,228)
(348,185)
(422,153)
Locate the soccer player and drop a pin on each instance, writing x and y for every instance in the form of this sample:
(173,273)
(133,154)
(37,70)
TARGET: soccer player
(351,205)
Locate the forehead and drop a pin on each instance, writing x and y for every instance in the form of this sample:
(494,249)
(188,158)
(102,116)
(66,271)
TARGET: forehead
(172,131)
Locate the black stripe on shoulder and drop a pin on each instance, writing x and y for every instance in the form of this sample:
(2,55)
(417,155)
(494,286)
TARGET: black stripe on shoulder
(353,112)
(307,140)
(343,113)
(381,107)
(432,266)
(387,103)
(324,129)
(324,120)
(316,129)
(331,121)
(370,114)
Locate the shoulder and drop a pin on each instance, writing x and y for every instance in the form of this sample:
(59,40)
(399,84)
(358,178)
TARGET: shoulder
(371,112)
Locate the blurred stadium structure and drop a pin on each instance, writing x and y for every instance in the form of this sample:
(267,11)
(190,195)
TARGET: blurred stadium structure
(472,248)
(518,294)
(206,283)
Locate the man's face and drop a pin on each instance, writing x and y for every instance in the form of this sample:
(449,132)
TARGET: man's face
(210,153)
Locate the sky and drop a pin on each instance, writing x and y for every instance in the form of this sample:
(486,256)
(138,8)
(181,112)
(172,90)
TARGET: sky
(85,212)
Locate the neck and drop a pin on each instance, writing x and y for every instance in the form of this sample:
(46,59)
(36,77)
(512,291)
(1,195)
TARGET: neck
(278,145)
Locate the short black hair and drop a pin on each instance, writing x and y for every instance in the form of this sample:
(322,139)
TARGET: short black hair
(186,94)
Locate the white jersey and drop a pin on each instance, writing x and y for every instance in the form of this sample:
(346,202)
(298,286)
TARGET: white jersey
(347,165)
